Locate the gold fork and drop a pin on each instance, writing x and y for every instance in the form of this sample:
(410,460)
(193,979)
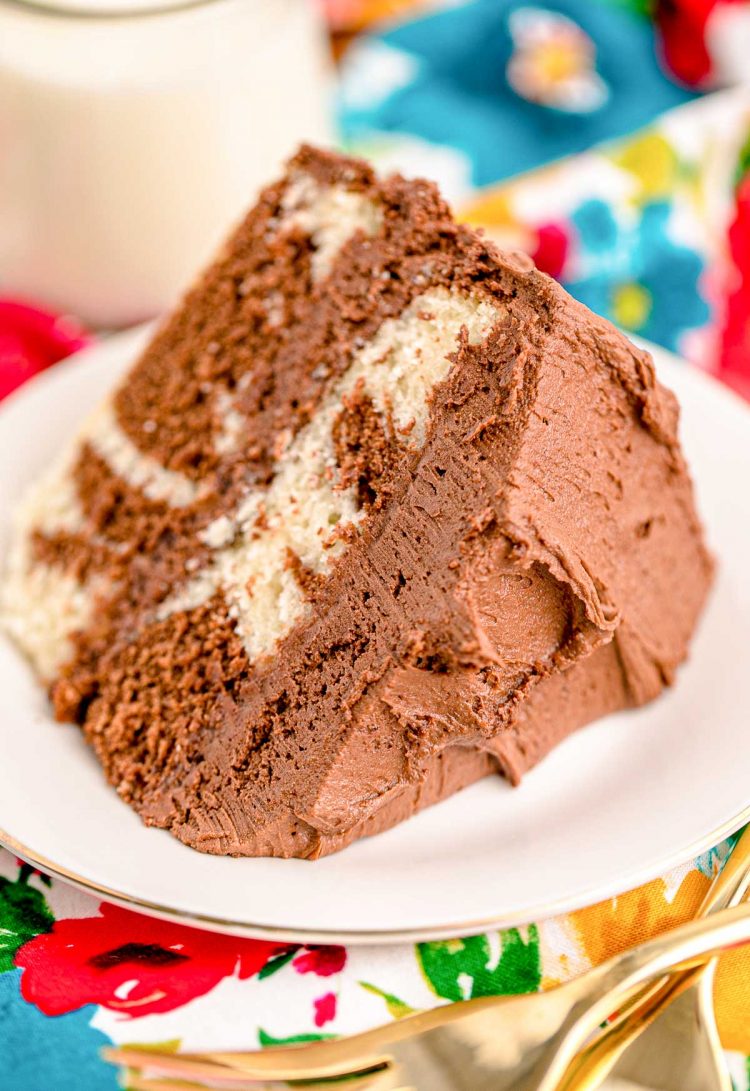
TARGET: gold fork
(523,1042)
(682,1045)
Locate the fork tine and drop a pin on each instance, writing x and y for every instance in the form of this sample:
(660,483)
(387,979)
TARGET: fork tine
(139,1082)
(260,1066)
(309,1069)
(136,1081)
(362,1051)
(351,1055)
(177,1064)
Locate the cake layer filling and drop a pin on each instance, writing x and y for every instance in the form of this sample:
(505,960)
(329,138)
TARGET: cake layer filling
(329,215)
(138,470)
(320,502)
(41,605)
(307,508)
(54,517)
(294,240)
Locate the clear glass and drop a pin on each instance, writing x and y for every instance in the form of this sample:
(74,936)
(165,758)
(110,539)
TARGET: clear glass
(130,144)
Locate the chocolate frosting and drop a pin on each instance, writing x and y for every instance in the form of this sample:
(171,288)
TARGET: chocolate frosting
(539,564)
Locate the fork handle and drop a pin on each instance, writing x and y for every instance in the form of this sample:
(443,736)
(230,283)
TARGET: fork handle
(594,1064)
(680,949)
(727,890)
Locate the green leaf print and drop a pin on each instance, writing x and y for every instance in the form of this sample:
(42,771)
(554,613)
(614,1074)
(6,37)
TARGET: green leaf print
(266,1039)
(395,1007)
(461,969)
(25,871)
(277,963)
(23,915)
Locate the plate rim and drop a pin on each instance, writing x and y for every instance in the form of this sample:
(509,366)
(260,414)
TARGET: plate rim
(362,937)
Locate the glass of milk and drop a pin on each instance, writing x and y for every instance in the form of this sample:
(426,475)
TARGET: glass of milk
(133,133)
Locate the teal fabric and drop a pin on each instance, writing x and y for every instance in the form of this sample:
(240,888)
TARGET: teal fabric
(641,252)
(457,93)
(42,1054)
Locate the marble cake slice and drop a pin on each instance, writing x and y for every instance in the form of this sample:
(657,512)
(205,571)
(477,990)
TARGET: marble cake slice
(380,510)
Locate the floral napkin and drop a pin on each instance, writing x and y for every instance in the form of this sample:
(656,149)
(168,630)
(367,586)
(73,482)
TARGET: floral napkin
(77,975)
(645,216)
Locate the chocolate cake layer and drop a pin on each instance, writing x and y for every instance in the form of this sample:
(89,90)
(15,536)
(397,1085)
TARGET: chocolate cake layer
(380,511)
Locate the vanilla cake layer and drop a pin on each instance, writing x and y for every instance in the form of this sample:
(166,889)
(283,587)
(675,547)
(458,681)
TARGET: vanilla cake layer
(379,511)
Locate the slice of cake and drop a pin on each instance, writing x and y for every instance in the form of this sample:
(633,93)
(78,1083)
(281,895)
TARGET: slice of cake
(380,511)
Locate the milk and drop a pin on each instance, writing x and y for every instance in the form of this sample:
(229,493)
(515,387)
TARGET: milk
(130,143)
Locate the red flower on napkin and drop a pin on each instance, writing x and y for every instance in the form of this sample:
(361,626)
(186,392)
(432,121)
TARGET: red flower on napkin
(686,39)
(31,340)
(131,964)
(323,961)
(325,1009)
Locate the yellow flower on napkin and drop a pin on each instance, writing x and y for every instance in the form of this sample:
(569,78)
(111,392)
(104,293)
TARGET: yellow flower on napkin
(732,1000)
(612,926)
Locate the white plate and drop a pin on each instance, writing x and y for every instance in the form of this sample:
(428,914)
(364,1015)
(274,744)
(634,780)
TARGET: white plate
(612,807)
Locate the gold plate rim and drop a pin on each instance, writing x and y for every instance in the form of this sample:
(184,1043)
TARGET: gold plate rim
(360,938)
